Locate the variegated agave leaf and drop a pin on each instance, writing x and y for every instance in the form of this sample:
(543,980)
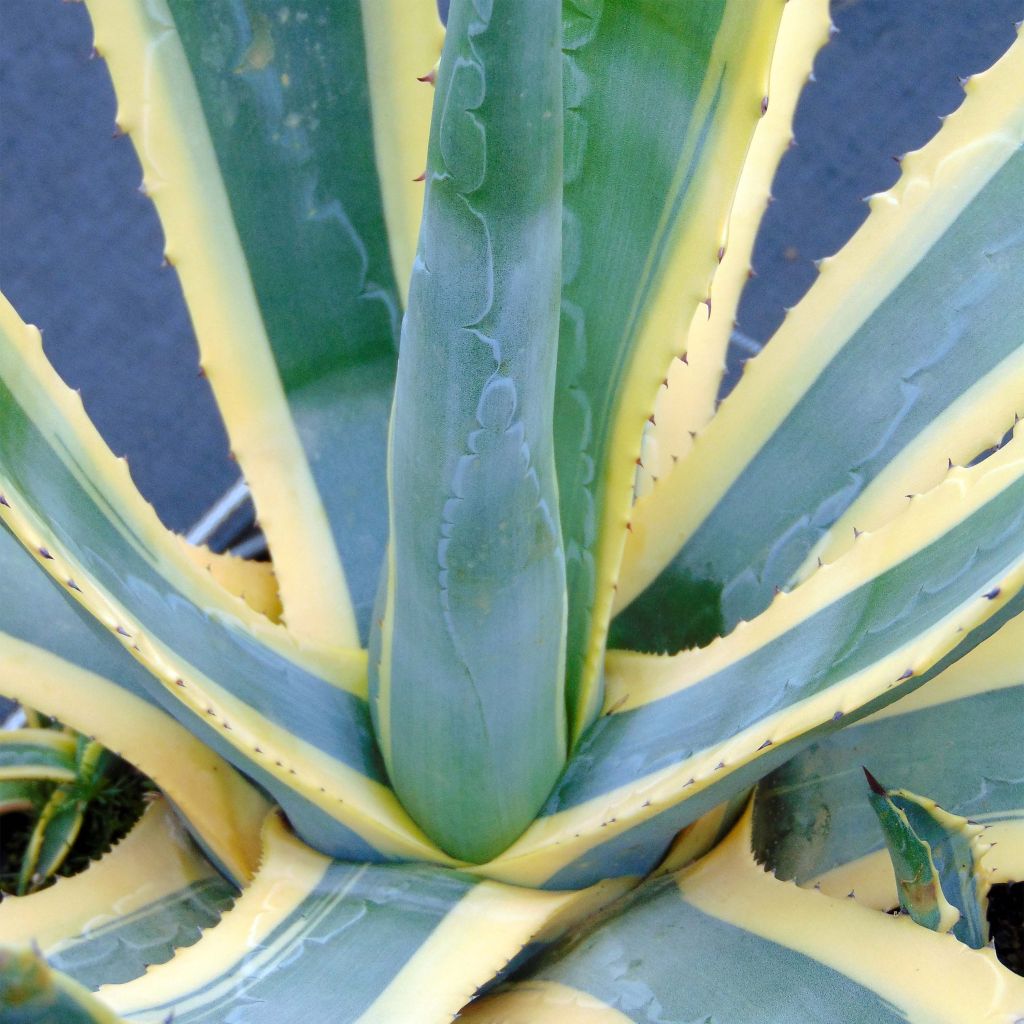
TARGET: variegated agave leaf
(534,475)
(790,918)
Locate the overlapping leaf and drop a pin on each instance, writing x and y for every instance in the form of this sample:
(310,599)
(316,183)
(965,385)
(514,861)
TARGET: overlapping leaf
(724,940)
(681,734)
(152,894)
(956,739)
(728,939)
(903,358)
(59,660)
(216,665)
(661,101)
(255,130)
(396,943)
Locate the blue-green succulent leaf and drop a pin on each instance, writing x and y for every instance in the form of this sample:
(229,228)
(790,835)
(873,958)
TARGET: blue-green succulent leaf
(467,684)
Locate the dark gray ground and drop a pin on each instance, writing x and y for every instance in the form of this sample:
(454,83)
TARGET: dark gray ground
(80,248)
(80,255)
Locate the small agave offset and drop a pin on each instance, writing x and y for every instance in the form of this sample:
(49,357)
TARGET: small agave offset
(399,774)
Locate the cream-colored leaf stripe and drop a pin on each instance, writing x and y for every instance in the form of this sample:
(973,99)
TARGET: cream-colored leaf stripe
(484,928)
(160,110)
(938,181)
(997,664)
(477,938)
(342,792)
(289,871)
(694,841)
(58,414)
(688,400)
(224,808)
(403,46)
(542,1002)
(930,976)
(155,860)
(635,681)
(664,307)
(254,582)
(975,422)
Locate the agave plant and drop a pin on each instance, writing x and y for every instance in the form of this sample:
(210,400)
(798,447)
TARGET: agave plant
(401,771)
(59,782)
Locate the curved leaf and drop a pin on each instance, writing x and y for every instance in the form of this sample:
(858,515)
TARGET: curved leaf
(957,739)
(661,100)
(935,857)
(58,660)
(254,134)
(834,408)
(682,734)
(689,397)
(216,665)
(41,754)
(726,941)
(150,895)
(222,807)
(397,943)
(46,420)
(60,819)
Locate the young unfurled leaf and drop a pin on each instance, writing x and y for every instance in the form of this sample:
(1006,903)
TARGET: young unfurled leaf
(471,635)
(61,818)
(935,856)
